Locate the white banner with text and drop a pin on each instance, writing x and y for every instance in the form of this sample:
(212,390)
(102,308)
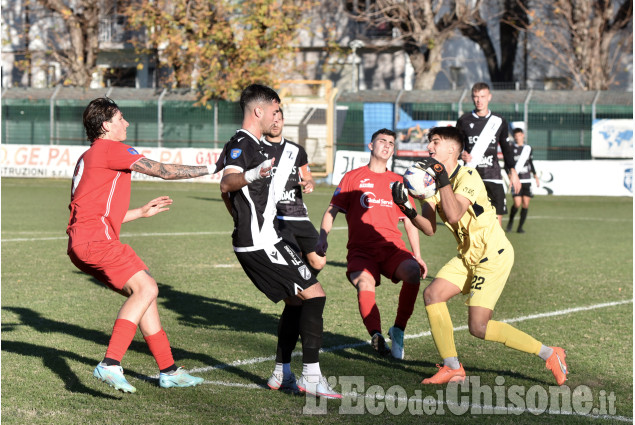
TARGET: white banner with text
(59,161)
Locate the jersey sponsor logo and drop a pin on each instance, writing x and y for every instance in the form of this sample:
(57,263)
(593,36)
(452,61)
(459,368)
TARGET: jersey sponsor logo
(337,191)
(288,195)
(366,183)
(235,153)
(369,200)
(133,151)
(304,272)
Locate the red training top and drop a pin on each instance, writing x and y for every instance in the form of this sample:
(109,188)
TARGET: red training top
(371,214)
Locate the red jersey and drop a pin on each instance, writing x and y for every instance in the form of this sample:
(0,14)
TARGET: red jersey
(371,214)
(100,195)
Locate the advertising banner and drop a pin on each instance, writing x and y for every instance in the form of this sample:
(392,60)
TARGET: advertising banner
(59,161)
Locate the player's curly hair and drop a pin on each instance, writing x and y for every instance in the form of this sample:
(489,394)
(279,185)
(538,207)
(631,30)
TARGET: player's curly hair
(96,113)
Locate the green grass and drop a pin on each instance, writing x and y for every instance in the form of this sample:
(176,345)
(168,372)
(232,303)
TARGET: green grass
(56,321)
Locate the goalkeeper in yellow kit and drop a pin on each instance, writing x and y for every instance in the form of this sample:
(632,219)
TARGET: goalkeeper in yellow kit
(482,266)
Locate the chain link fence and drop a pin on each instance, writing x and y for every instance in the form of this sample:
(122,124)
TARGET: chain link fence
(558,123)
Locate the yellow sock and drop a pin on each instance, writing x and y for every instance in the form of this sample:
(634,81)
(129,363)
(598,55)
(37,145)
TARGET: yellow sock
(511,337)
(441,329)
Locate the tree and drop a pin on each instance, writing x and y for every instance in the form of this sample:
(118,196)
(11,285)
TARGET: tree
(585,40)
(220,46)
(511,21)
(75,42)
(424,27)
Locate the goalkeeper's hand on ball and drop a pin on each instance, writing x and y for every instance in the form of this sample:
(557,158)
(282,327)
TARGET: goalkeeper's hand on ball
(436,169)
(400,197)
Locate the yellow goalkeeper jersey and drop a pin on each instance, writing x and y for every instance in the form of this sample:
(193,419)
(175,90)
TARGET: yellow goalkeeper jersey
(478,232)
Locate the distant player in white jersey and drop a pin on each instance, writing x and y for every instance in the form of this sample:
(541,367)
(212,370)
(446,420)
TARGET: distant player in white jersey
(292,178)
(525,167)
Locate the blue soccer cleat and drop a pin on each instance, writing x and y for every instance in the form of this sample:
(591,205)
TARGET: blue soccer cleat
(113,376)
(178,378)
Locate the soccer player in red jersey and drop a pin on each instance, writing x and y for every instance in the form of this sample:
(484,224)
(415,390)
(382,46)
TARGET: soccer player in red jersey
(100,197)
(375,246)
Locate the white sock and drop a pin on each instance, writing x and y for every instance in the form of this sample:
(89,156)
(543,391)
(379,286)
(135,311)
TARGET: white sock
(452,362)
(545,352)
(278,368)
(311,371)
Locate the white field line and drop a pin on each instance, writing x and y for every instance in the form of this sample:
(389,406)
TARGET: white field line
(508,410)
(134,235)
(257,360)
(140,235)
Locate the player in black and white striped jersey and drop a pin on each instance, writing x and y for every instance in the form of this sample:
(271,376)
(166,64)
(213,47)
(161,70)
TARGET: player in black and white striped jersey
(525,168)
(484,131)
(292,178)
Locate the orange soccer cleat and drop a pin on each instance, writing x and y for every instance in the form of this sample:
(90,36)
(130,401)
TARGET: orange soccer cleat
(445,375)
(557,365)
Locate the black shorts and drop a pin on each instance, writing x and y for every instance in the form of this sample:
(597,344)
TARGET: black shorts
(277,272)
(525,190)
(497,197)
(300,234)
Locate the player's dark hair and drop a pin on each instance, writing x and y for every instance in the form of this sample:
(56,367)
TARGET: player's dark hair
(517,130)
(96,113)
(448,133)
(480,86)
(383,131)
(257,93)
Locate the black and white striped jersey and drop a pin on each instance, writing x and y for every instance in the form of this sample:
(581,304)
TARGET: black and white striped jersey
(473,126)
(253,206)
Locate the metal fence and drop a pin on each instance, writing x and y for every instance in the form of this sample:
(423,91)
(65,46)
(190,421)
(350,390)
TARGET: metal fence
(558,123)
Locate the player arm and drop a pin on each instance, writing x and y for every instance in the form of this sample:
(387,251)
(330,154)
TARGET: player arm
(426,221)
(508,158)
(533,171)
(153,207)
(306,181)
(233,179)
(413,238)
(169,171)
(454,205)
(226,201)
(325,229)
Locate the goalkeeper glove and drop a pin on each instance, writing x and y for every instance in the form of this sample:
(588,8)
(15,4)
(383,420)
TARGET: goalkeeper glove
(254,173)
(436,169)
(400,197)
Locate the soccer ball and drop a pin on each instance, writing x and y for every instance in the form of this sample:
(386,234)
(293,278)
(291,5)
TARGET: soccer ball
(419,182)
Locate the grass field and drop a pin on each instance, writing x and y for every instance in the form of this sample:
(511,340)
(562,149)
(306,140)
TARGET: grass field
(572,285)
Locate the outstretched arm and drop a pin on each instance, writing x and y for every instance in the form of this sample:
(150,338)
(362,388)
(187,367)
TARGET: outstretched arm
(153,207)
(234,180)
(169,171)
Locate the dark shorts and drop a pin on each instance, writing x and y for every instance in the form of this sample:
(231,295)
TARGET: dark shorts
(377,260)
(110,262)
(277,272)
(496,194)
(300,234)
(525,190)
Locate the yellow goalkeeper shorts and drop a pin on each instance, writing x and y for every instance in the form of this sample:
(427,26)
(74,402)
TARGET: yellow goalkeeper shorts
(483,282)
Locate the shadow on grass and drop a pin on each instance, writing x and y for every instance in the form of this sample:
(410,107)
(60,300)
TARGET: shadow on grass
(35,320)
(56,361)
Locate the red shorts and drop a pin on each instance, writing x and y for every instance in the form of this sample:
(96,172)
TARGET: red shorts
(110,262)
(377,260)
